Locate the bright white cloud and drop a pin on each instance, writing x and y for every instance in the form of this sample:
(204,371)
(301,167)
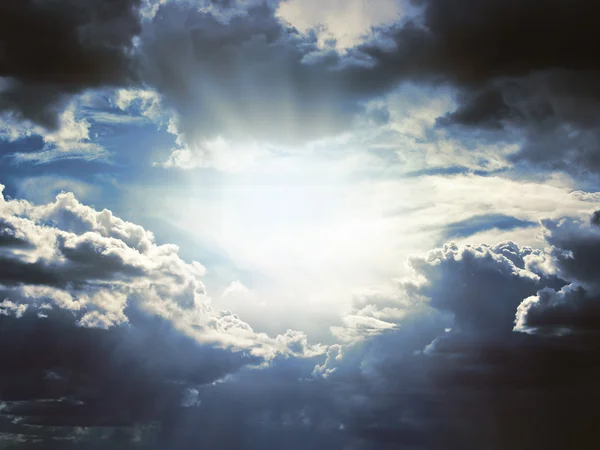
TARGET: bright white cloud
(346,21)
(309,234)
(67,255)
(147,101)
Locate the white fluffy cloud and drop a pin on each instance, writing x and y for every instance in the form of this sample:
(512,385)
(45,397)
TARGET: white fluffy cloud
(67,255)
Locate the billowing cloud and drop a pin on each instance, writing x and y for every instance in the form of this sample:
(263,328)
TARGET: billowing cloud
(482,286)
(512,70)
(434,379)
(575,308)
(102,327)
(111,337)
(95,265)
(520,85)
(237,70)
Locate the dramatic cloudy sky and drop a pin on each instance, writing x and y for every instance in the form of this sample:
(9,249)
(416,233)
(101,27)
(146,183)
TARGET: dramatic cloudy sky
(299,224)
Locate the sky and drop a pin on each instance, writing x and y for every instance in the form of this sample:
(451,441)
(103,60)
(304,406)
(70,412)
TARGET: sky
(294,224)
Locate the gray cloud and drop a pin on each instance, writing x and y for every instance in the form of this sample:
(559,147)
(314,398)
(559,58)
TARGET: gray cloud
(477,382)
(575,308)
(481,285)
(569,310)
(476,224)
(52,50)
(513,72)
(436,366)
(250,78)
(55,373)
(232,69)
(235,69)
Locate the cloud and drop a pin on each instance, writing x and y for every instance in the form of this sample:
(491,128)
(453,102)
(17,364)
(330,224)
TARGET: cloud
(246,77)
(217,153)
(124,348)
(109,340)
(570,310)
(576,307)
(440,44)
(58,374)
(481,223)
(146,101)
(53,50)
(238,71)
(102,327)
(236,289)
(574,248)
(495,289)
(529,97)
(481,285)
(71,139)
(433,373)
(357,327)
(95,265)
(345,22)
(523,79)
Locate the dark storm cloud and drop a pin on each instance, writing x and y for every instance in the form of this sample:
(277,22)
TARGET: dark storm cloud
(514,386)
(529,79)
(57,378)
(476,41)
(50,50)
(236,70)
(523,392)
(55,373)
(492,289)
(520,66)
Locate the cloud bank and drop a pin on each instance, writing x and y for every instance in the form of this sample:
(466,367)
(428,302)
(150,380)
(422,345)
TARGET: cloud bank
(237,70)
(108,339)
